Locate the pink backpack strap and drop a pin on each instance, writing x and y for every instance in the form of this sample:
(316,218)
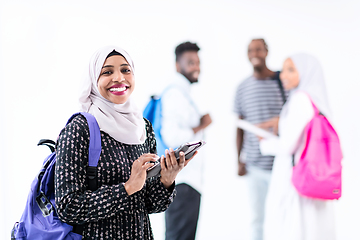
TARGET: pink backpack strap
(316,110)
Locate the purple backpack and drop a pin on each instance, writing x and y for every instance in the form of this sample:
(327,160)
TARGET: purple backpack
(39,219)
(318,172)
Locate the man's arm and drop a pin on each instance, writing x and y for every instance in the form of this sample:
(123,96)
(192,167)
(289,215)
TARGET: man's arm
(205,121)
(239,144)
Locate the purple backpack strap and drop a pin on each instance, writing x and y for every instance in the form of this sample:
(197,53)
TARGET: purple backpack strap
(95,139)
(94,155)
(94,148)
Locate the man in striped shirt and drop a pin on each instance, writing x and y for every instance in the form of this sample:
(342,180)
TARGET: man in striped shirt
(258,99)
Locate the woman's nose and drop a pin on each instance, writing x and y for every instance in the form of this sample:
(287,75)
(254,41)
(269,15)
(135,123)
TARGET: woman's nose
(118,76)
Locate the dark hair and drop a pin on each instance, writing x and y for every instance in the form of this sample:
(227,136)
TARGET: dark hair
(184,47)
(113,53)
(263,40)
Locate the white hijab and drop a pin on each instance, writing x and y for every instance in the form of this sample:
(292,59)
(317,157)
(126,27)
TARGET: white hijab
(312,81)
(123,122)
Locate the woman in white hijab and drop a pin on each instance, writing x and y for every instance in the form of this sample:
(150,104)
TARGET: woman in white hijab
(288,215)
(119,208)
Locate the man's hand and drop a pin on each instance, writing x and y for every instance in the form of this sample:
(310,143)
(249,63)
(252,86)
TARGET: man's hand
(273,124)
(241,168)
(205,121)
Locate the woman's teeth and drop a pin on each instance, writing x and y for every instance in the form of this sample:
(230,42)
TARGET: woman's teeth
(120,89)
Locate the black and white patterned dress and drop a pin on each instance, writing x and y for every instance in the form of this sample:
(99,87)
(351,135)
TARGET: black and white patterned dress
(109,212)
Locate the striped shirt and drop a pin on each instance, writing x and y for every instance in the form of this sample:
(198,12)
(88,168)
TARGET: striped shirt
(257,101)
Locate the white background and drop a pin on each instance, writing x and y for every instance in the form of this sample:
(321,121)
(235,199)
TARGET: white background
(45,47)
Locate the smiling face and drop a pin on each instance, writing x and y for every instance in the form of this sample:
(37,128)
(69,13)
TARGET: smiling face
(116,81)
(257,54)
(188,65)
(289,75)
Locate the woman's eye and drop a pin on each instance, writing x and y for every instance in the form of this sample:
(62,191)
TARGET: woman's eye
(106,73)
(126,70)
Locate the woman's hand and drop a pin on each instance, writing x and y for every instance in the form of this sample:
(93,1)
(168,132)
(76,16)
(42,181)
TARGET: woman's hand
(272,124)
(259,138)
(138,172)
(170,167)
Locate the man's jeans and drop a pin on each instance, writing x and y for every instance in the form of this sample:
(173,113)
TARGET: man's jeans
(258,183)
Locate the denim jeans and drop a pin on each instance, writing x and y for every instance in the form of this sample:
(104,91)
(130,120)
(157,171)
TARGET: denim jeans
(258,182)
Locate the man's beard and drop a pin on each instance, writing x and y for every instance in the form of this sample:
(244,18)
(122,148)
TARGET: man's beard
(189,76)
(258,68)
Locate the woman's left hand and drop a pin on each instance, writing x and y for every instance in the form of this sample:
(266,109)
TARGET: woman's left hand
(170,167)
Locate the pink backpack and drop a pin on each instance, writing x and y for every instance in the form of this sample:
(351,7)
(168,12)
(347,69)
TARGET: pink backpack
(318,172)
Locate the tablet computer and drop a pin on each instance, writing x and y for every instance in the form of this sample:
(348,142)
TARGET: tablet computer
(188,148)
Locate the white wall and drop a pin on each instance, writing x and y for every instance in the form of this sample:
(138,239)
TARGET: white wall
(45,46)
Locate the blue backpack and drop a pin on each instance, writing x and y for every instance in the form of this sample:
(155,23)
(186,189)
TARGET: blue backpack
(153,113)
(39,219)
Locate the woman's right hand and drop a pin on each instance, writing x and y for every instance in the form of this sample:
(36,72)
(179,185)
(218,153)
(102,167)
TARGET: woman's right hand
(138,173)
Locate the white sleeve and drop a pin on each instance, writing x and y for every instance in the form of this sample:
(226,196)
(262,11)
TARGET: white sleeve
(175,110)
(291,126)
(269,146)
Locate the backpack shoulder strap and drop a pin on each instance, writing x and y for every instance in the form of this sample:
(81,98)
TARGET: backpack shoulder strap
(95,139)
(187,95)
(277,78)
(94,148)
(166,89)
(94,155)
(316,110)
